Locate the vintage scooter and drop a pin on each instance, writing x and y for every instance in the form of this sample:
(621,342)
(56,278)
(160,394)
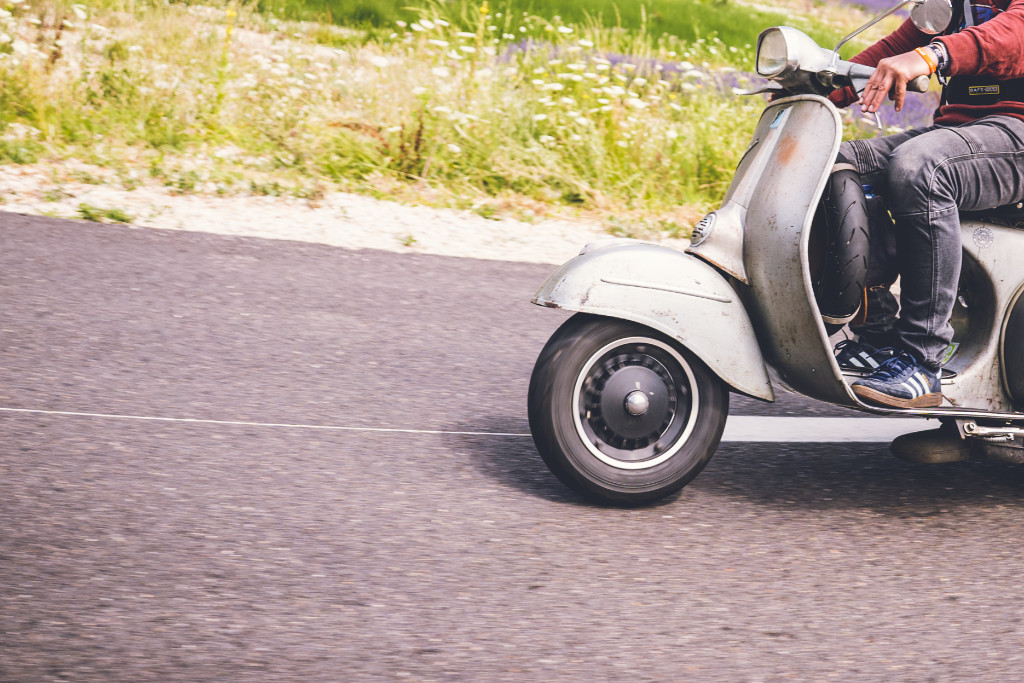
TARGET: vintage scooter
(628,400)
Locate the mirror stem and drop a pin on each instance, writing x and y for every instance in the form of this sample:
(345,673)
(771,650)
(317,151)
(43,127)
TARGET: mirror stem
(883,15)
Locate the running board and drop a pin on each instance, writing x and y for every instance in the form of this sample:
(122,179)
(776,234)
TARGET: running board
(951,413)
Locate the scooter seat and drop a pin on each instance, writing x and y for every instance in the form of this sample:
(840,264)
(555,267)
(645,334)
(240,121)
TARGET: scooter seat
(1010,215)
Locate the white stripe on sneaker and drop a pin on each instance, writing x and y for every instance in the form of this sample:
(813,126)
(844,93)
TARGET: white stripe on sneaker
(871,361)
(911,388)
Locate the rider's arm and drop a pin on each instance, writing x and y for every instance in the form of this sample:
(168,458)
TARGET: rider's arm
(995,48)
(902,40)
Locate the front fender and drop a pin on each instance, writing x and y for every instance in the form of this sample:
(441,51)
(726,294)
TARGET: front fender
(669,291)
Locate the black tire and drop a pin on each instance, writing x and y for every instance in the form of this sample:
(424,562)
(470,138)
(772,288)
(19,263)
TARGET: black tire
(839,289)
(583,426)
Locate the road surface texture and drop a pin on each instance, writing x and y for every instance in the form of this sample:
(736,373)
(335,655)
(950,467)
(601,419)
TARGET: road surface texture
(170,550)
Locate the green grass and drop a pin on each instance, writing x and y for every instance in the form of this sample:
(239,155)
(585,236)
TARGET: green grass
(688,20)
(447,109)
(100,215)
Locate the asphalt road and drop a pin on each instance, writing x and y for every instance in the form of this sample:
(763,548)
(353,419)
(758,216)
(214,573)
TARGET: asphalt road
(177,551)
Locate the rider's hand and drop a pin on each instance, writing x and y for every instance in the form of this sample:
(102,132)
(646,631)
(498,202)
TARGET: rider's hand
(892,74)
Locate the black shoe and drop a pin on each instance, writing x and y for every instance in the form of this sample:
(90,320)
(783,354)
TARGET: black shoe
(901,382)
(859,358)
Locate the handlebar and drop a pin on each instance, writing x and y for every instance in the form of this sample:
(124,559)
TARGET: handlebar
(919,84)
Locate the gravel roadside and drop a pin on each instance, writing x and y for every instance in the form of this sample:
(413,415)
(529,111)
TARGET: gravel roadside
(338,219)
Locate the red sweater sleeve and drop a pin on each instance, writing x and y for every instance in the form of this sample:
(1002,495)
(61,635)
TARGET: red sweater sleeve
(995,48)
(903,39)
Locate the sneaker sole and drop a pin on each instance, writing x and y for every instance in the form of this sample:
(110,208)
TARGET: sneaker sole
(925,401)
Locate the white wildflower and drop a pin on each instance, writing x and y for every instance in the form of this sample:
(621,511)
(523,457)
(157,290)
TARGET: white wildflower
(441,72)
(419,90)
(565,29)
(540,117)
(4,38)
(454,149)
(602,67)
(586,43)
(466,34)
(582,120)
(636,103)
(545,139)
(80,12)
(416,27)
(427,24)
(622,143)
(467,48)
(671,133)
(675,106)
(556,87)
(640,82)
(441,22)
(439,43)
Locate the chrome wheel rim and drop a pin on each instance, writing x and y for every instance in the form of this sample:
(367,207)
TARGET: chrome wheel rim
(635,403)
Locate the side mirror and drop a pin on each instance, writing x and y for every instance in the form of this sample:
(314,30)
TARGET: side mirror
(932,16)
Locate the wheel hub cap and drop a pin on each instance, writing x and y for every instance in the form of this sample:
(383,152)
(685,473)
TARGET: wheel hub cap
(637,403)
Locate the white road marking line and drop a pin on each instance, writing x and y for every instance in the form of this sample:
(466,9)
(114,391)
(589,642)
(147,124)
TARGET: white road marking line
(739,428)
(240,423)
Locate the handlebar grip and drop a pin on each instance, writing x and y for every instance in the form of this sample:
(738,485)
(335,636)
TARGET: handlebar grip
(919,84)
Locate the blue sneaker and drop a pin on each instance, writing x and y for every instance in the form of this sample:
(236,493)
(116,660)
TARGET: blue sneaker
(901,382)
(860,358)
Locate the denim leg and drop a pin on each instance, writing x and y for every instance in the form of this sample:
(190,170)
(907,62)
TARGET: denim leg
(871,159)
(930,178)
(879,328)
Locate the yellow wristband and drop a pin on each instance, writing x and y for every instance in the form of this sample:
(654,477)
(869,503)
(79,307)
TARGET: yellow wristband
(929,58)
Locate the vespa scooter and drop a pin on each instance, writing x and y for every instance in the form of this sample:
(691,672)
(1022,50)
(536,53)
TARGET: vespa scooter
(629,398)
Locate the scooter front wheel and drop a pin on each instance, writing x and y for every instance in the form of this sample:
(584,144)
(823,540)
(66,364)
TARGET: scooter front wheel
(621,413)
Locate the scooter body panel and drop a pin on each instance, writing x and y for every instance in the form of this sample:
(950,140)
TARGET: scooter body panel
(671,292)
(989,285)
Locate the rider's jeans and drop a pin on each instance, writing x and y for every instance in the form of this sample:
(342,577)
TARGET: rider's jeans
(926,176)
